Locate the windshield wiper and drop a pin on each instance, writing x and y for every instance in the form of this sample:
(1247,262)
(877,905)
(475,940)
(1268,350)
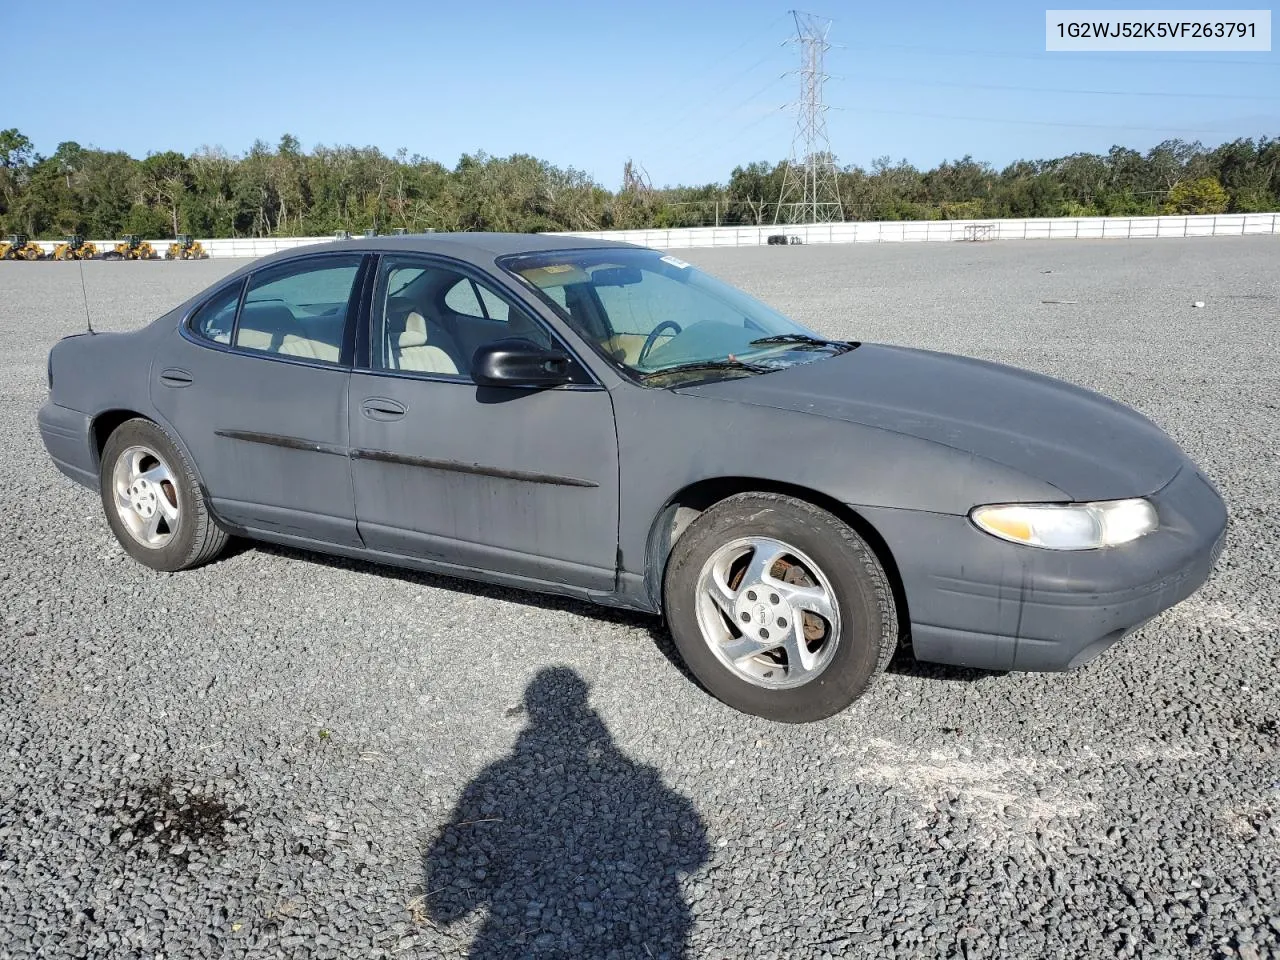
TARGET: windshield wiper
(804,340)
(698,366)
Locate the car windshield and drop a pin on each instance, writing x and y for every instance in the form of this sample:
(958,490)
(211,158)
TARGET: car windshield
(660,319)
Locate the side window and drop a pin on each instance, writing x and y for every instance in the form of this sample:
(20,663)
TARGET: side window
(299,309)
(431,319)
(494,308)
(462,299)
(215,319)
(558,295)
(470,299)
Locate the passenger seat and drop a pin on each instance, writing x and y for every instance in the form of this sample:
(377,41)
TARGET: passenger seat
(414,353)
(264,325)
(296,346)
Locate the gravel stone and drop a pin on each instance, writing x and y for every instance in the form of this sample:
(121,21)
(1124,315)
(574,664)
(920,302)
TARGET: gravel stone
(503,774)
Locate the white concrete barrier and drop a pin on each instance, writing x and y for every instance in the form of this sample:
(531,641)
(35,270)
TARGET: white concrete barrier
(861,231)
(912,231)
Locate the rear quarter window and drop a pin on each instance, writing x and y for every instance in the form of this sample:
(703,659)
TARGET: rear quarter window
(214,320)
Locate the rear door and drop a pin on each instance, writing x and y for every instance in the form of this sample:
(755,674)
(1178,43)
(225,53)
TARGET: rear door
(521,482)
(256,383)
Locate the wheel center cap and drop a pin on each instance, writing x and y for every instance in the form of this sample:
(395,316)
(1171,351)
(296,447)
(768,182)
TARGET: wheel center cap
(142,497)
(763,612)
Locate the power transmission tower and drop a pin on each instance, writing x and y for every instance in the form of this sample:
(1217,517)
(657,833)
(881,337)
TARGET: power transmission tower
(810,185)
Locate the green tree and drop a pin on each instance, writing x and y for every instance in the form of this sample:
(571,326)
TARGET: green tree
(1202,195)
(15,155)
(963,182)
(166,178)
(1246,171)
(282,189)
(108,189)
(146,221)
(15,149)
(753,190)
(1029,190)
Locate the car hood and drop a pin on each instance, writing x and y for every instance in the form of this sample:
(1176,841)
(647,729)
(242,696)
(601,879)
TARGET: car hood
(1082,443)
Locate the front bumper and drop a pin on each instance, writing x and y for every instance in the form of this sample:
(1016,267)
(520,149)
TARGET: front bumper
(978,601)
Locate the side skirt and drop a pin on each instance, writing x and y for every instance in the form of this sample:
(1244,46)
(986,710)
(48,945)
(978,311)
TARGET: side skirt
(604,598)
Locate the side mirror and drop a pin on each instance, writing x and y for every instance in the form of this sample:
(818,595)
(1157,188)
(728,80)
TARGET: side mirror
(519,363)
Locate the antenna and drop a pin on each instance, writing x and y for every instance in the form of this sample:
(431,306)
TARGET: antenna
(84,293)
(817,198)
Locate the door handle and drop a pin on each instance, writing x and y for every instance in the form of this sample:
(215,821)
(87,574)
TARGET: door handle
(173,377)
(382,409)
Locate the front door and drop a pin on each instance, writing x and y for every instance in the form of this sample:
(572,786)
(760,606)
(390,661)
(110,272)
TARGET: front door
(256,385)
(520,482)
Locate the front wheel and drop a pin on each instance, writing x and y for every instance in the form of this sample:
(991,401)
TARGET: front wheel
(153,503)
(779,608)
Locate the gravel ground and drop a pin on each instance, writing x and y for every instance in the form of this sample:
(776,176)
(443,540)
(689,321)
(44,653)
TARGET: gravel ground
(281,755)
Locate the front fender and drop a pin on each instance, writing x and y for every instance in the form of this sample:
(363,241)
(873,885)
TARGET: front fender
(668,442)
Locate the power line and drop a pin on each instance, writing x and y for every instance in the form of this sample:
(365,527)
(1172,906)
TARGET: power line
(767,28)
(1035,123)
(1022,89)
(737,135)
(1047,57)
(682,117)
(713,130)
(701,104)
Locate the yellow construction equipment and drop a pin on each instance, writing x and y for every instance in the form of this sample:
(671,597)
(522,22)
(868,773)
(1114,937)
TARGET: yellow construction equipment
(18,247)
(185,248)
(75,248)
(131,247)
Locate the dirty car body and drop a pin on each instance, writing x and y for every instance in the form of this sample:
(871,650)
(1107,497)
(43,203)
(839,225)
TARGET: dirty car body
(340,398)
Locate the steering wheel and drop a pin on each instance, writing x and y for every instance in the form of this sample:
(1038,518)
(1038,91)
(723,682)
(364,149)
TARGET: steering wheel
(652,339)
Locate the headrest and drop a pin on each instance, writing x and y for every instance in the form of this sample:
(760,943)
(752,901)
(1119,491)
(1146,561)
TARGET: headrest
(415,330)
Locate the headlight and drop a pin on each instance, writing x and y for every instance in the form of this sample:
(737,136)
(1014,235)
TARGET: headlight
(1068,526)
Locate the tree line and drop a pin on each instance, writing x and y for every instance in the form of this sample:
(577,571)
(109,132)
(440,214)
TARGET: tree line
(287,191)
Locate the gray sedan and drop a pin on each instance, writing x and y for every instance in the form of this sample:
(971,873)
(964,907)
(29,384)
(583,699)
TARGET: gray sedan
(605,422)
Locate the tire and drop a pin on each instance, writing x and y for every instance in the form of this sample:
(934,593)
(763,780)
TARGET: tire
(827,566)
(146,481)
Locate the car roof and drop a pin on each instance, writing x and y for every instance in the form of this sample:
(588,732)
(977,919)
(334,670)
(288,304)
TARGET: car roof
(481,248)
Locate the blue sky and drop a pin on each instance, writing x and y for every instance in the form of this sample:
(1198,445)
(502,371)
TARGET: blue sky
(688,89)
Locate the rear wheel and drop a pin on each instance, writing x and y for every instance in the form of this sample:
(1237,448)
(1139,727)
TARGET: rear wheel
(779,608)
(153,503)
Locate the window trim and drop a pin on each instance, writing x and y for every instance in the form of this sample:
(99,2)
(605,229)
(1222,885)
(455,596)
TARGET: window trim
(187,324)
(355,300)
(476,275)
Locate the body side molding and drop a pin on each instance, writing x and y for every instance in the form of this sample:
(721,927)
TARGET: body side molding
(276,440)
(458,466)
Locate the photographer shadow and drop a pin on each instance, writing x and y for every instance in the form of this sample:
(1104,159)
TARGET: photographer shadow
(573,848)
